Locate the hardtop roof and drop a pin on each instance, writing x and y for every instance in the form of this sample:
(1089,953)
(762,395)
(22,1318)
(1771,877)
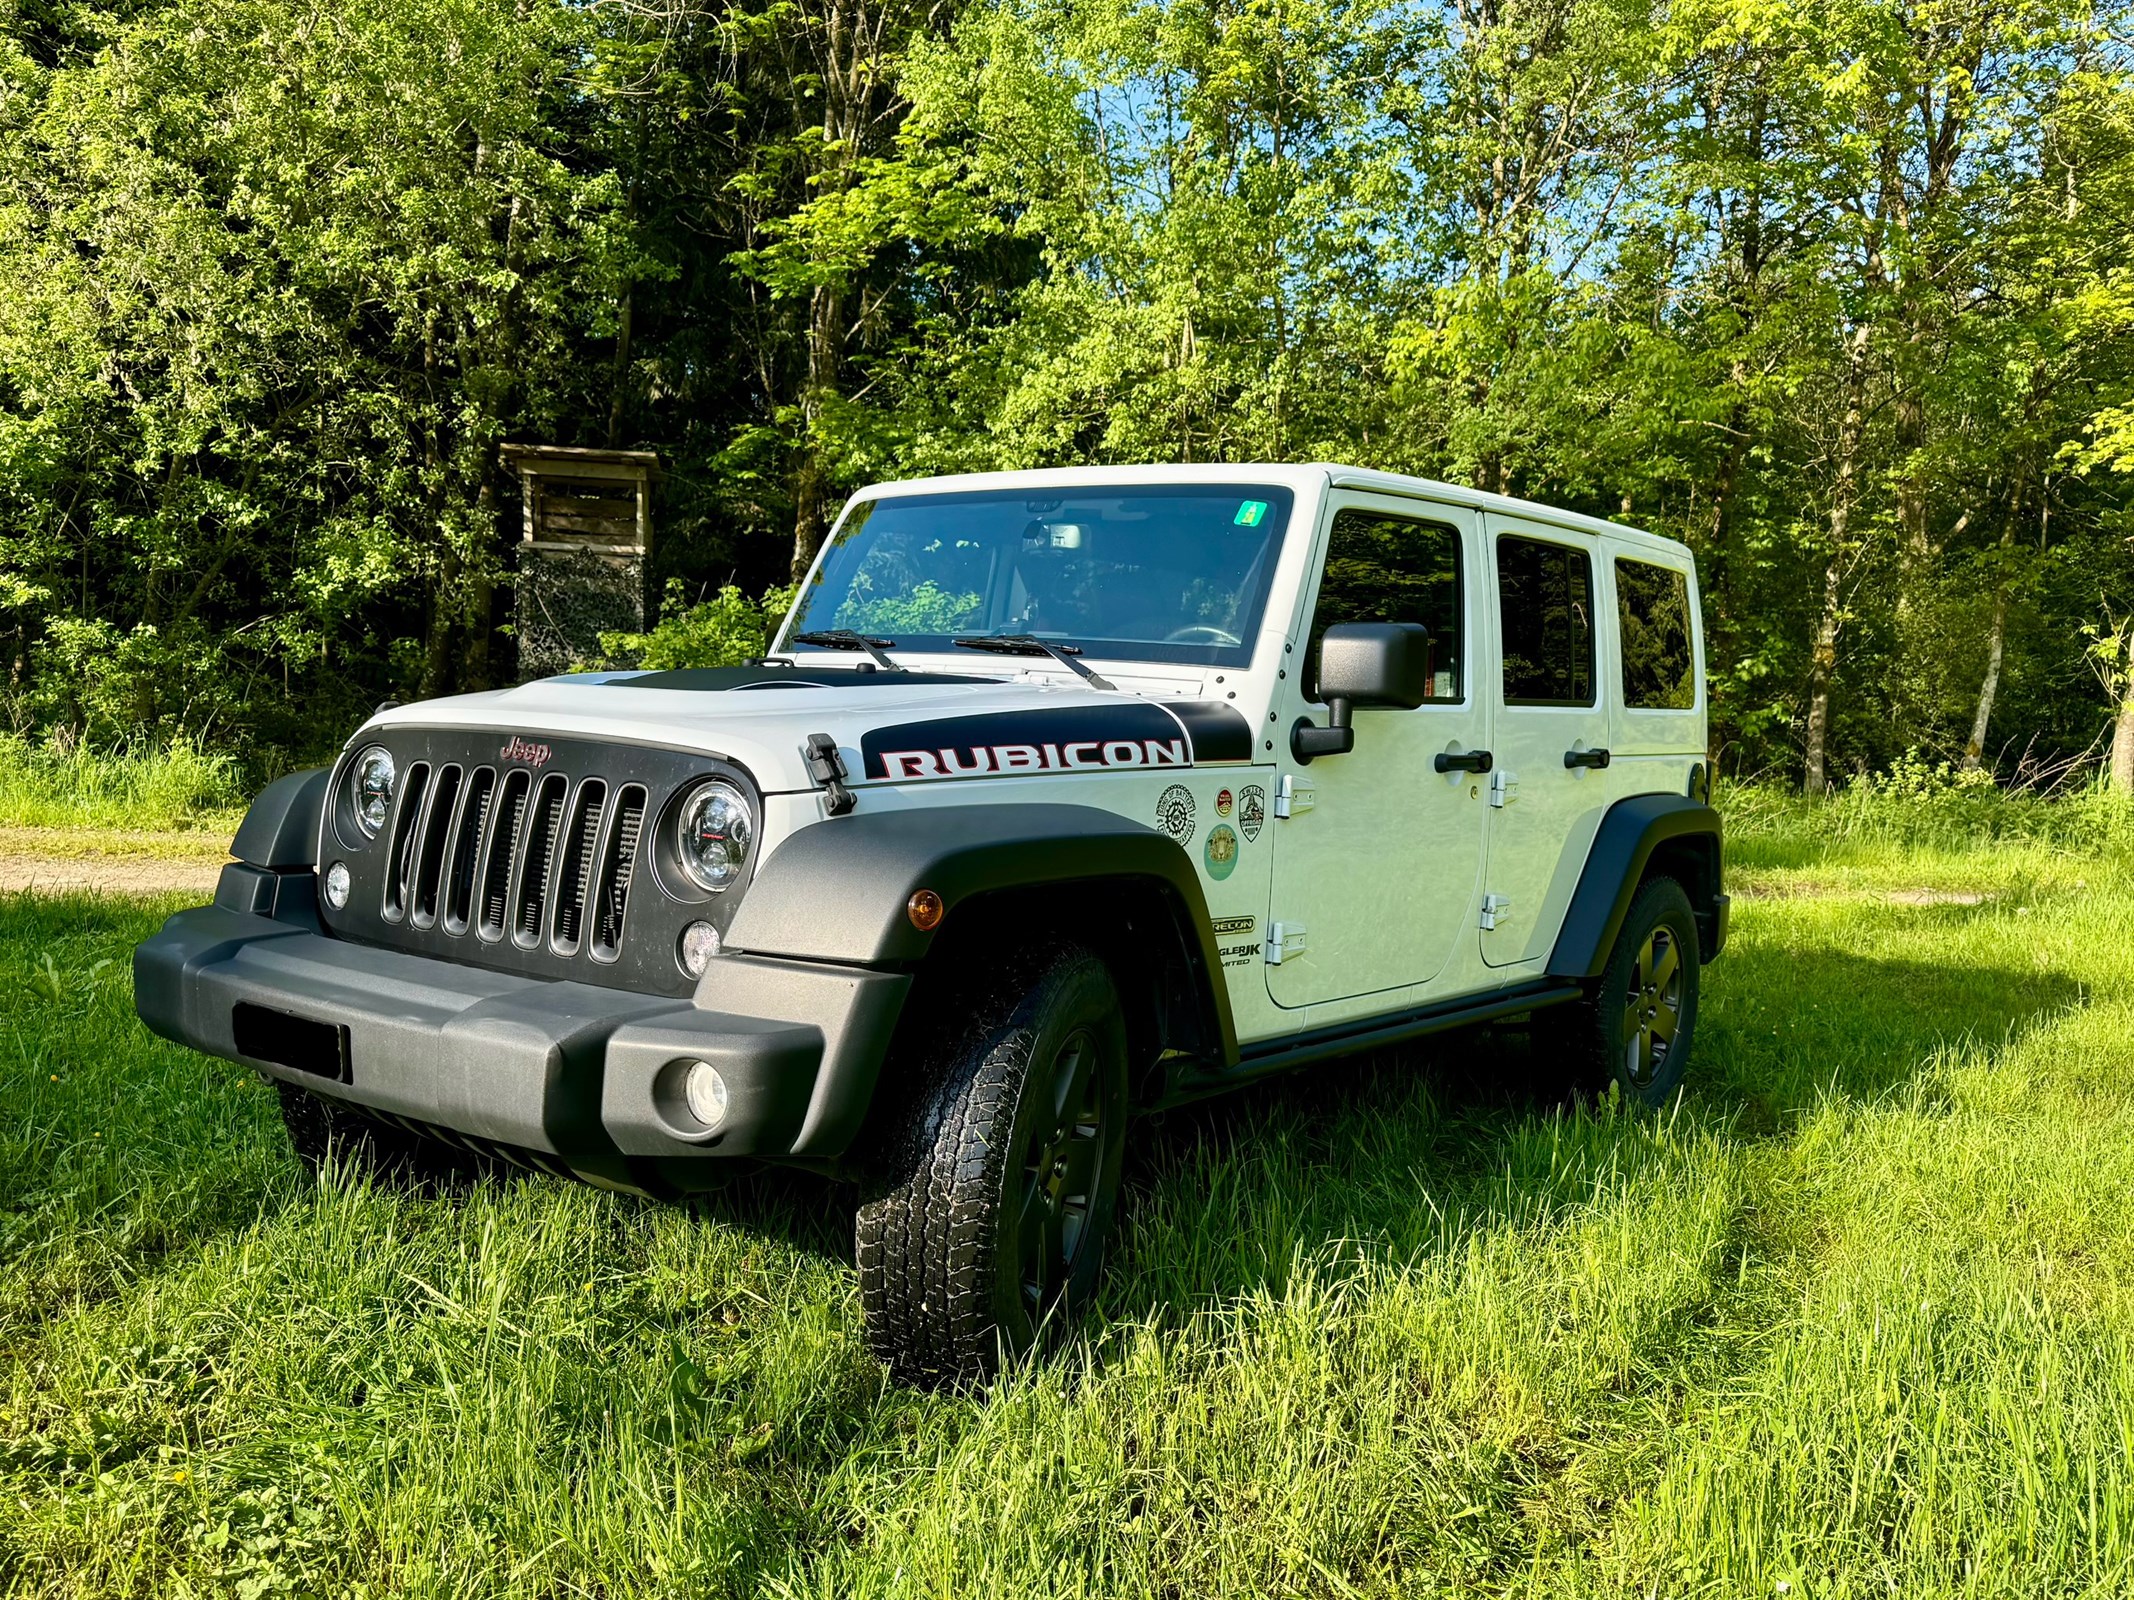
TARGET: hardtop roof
(1309,475)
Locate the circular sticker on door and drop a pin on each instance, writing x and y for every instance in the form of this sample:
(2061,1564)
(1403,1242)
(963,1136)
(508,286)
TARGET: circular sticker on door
(1174,812)
(1221,853)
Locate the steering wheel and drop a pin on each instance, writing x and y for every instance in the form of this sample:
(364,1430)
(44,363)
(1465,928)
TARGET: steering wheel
(1202,633)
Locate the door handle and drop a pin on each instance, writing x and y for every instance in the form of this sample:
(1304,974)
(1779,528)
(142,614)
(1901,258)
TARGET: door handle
(1470,761)
(1586,758)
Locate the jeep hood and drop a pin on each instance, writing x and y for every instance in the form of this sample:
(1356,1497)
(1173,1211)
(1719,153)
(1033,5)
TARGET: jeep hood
(889,726)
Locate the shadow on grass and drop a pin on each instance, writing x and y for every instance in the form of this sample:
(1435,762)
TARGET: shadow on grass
(1224,1195)
(1405,1151)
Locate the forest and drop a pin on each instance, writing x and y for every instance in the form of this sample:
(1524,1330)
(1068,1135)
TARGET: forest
(1837,291)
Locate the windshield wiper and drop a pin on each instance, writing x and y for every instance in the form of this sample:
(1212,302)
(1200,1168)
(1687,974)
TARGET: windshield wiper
(846,639)
(1029,644)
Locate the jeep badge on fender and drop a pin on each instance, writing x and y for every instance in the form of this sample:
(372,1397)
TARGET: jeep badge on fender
(1080,794)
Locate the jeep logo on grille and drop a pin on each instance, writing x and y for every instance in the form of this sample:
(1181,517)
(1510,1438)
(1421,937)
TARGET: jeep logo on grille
(534,755)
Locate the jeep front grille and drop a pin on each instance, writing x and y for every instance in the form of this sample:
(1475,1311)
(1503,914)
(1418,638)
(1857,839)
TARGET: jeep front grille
(558,867)
(548,853)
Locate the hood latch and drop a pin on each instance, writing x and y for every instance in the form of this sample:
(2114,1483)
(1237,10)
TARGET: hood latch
(827,768)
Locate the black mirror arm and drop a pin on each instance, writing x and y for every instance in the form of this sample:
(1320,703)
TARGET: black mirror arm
(1337,738)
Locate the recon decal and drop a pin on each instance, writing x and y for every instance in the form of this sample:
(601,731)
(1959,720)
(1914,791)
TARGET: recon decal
(1131,733)
(1251,811)
(1241,928)
(1222,802)
(1221,853)
(1174,812)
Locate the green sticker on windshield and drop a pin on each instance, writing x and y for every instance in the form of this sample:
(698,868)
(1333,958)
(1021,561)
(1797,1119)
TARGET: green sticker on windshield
(1250,512)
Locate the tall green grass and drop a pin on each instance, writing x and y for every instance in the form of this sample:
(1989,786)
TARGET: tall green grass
(1853,1319)
(147,788)
(1921,805)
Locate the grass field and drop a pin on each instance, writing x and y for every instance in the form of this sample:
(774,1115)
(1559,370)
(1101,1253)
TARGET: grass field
(1854,1320)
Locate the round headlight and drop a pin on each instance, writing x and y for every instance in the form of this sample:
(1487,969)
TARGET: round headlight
(715,832)
(370,789)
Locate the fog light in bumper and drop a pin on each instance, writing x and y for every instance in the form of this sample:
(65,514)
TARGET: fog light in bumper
(704,1091)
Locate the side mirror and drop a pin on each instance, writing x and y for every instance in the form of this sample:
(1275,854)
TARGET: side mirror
(1363,664)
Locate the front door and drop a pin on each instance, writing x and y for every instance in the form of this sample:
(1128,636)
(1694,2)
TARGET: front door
(1544,809)
(1379,860)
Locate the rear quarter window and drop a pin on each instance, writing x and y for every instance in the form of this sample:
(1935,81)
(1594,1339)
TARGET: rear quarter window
(1659,665)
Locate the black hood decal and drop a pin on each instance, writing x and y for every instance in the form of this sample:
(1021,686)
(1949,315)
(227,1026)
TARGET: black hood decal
(1127,733)
(774,676)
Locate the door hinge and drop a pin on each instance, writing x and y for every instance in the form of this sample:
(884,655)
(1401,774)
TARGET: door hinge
(1293,794)
(1496,908)
(1503,787)
(1284,940)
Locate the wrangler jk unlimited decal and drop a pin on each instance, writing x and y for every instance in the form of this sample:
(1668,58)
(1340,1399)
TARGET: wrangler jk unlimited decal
(1071,739)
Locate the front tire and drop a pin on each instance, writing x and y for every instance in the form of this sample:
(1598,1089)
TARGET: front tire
(1635,1025)
(988,1226)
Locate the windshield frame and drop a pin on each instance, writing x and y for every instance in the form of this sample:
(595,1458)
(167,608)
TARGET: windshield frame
(1282,501)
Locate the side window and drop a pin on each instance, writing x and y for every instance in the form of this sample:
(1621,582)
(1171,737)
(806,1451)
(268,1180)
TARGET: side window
(1383,568)
(1659,669)
(1546,595)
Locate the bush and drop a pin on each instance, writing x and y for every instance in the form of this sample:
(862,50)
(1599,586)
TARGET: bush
(724,631)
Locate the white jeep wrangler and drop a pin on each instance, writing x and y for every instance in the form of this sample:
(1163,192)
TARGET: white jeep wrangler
(1063,796)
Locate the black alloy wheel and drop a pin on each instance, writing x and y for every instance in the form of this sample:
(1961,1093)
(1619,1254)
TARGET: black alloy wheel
(1635,1024)
(1652,1012)
(1065,1159)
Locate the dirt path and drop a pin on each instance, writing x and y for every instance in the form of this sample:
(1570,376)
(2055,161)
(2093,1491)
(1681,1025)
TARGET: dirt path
(71,861)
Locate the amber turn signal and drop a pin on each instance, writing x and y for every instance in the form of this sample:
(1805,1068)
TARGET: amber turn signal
(925,910)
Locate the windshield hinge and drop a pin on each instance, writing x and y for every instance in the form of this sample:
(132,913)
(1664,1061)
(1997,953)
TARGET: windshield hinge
(827,767)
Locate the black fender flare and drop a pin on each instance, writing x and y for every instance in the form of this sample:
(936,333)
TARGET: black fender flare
(1686,833)
(837,890)
(281,830)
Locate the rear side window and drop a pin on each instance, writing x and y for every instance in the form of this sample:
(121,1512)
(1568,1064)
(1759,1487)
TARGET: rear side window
(1659,669)
(1545,592)
(1381,568)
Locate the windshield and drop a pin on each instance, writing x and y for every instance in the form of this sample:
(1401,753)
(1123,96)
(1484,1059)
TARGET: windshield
(1175,574)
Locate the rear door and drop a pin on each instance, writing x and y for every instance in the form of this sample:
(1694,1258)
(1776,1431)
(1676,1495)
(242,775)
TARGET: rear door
(1544,810)
(1380,870)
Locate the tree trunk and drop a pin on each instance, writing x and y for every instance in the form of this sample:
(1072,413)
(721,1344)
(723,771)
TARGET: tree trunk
(2123,747)
(437,649)
(619,379)
(475,619)
(1822,667)
(1996,643)
(1823,656)
(826,342)
(1975,746)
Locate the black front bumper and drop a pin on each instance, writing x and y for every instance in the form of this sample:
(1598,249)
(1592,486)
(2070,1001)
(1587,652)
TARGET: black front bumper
(587,1076)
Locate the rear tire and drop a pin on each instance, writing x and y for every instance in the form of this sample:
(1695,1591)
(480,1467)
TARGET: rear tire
(1635,1026)
(324,1133)
(987,1226)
